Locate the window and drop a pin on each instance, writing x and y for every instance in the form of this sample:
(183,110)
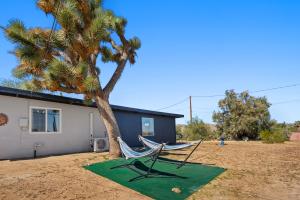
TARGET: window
(45,120)
(38,120)
(53,120)
(148,126)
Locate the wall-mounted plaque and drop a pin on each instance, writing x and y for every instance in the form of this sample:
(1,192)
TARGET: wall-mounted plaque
(3,119)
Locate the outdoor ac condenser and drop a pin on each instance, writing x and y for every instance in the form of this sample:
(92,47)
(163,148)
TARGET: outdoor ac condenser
(100,144)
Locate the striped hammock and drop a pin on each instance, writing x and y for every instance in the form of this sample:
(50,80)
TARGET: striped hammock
(130,153)
(153,145)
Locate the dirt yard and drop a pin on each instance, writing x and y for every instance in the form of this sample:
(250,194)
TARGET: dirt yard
(254,171)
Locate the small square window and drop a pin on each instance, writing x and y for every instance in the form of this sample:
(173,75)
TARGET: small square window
(147,126)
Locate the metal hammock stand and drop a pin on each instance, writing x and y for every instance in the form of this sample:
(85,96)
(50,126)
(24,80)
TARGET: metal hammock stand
(129,153)
(151,144)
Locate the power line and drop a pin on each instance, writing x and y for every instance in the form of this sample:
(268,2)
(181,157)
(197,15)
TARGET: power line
(222,95)
(175,104)
(255,91)
(276,88)
(209,96)
(284,102)
(203,108)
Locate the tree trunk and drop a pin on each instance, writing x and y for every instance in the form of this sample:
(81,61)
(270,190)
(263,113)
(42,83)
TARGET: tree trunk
(111,125)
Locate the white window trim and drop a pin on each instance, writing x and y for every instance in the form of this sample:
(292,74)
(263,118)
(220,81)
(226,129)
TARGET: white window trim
(153,126)
(46,127)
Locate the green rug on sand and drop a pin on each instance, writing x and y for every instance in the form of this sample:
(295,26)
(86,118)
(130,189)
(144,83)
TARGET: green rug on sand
(187,179)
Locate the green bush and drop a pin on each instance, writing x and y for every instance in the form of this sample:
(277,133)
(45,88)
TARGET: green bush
(273,136)
(196,130)
(179,131)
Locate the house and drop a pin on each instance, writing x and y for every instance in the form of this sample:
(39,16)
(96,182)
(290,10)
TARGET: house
(52,124)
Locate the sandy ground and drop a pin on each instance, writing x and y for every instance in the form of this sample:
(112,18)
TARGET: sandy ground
(254,171)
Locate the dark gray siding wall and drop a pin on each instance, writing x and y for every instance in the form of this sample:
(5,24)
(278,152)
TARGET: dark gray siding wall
(130,125)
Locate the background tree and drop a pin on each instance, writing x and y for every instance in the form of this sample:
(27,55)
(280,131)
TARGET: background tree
(196,129)
(66,59)
(242,115)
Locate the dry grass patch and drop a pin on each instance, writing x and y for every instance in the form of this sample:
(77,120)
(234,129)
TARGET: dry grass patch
(254,171)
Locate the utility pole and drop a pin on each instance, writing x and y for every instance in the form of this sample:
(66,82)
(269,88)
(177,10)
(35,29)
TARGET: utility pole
(191,111)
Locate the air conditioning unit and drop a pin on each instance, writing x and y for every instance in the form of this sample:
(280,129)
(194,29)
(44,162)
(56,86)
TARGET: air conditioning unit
(100,144)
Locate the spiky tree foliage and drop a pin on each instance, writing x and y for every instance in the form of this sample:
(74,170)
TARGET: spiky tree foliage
(65,59)
(19,84)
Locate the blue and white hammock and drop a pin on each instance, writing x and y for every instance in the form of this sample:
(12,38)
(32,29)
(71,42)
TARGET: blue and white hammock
(130,153)
(154,145)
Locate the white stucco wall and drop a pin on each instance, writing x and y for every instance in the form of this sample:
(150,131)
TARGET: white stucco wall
(74,137)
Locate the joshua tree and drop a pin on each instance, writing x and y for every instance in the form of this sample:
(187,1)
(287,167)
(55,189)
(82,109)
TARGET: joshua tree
(65,58)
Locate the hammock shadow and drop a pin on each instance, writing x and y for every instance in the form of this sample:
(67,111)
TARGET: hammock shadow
(153,173)
(173,153)
(177,162)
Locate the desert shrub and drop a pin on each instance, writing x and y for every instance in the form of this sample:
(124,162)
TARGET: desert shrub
(213,135)
(179,131)
(197,129)
(179,136)
(273,136)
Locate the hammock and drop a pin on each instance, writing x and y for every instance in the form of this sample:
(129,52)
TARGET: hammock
(153,145)
(130,153)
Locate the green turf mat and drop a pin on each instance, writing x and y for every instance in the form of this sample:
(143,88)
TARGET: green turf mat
(188,179)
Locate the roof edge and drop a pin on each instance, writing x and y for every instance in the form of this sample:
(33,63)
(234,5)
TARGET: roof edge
(13,92)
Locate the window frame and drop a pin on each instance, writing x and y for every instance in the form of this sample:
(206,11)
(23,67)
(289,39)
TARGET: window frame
(143,126)
(46,120)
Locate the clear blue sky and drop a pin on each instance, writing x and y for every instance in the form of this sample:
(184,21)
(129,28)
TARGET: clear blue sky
(196,47)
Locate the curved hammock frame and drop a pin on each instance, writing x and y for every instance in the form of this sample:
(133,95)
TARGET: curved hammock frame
(153,145)
(130,153)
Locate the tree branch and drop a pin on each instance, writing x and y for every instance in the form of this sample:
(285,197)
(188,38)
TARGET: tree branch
(68,90)
(115,77)
(93,73)
(115,46)
(121,64)
(64,55)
